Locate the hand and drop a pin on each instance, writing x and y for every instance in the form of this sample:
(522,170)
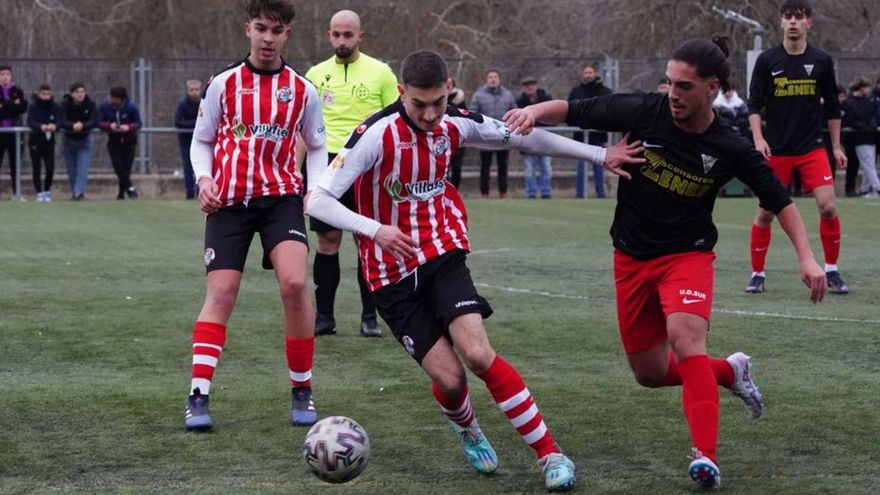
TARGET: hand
(44,127)
(519,121)
(77,126)
(814,278)
(621,154)
(392,240)
(114,126)
(208,200)
(763,148)
(124,128)
(840,158)
(51,127)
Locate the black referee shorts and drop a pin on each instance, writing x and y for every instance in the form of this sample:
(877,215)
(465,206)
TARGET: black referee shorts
(347,199)
(419,308)
(229,231)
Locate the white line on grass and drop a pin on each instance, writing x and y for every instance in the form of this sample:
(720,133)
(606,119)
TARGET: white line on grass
(737,312)
(487,251)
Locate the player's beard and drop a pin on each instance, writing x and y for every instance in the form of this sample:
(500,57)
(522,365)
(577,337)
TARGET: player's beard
(344,52)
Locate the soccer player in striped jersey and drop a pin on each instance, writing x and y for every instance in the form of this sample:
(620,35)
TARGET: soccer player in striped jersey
(664,236)
(242,153)
(412,239)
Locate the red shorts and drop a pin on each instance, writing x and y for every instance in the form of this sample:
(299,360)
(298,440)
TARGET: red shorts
(814,167)
(649,291)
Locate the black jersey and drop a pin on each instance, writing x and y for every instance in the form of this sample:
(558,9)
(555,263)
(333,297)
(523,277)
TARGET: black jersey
(794,89)
(667,206)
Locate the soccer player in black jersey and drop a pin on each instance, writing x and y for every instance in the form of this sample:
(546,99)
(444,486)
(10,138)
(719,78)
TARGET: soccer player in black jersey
(663,232)
(795,86)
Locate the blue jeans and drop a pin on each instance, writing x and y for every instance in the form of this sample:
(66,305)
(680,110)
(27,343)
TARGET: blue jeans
(531,162)
(78,159)
(580,188)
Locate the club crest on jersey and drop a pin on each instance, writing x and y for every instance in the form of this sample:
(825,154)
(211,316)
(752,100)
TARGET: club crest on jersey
(209,256)
(284,94)
(422,190)
(441,145)
(708,163)
(327,98)
(809,69)
(361,128)
(337,163)
(409,345)
(464,112)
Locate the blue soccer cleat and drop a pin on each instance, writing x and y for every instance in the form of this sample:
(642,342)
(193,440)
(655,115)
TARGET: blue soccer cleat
(302,411)
(704,471)
(197,417)
(558,472)
(756,284)
(477,449)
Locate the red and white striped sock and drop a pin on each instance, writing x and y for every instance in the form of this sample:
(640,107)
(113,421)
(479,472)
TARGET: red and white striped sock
(457,409)
(300,357)
(208,341)
(510,393)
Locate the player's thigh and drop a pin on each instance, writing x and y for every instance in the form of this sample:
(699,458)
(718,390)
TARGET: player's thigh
(452,294)
(783,168)
(640,317)
(815,170)
(289,260)
(686,291)
(281,219)
(404,309)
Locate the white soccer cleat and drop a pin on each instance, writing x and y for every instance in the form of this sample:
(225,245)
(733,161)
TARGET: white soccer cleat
(743,386)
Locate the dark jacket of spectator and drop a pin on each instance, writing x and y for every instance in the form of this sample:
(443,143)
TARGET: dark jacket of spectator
(185,118)
(540,97)
(735,112)
(12,104)
(492,102)
(84,112)
(590,89)
(858,114)
(126,114)
(43,112)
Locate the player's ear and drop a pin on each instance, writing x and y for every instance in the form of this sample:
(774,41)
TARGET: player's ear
(448,85)
(401,89)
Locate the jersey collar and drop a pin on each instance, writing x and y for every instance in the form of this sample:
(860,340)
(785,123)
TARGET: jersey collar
(264,72)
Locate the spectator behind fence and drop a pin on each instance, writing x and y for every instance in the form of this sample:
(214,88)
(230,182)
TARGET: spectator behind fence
(591,86)
(44,118)
(80,117)
(663,85)
(457,99)
(12,105)
(493,100)
(119,117)
(531,95)
(852,160)
(875,94)
(185,118)
(859,116)
(734,110)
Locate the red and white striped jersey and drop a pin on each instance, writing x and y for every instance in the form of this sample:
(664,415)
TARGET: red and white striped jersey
(399,176)
(253,118)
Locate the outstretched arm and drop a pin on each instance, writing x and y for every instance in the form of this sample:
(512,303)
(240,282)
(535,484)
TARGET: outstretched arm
(522,120)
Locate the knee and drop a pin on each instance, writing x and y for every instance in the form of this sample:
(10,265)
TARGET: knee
(222,300)
(294,291)
(828,210)
(647,378)
(450,384)
(478,358)
(328,243)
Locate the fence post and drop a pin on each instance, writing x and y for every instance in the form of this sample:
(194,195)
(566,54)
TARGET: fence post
(18,152)
(141,76)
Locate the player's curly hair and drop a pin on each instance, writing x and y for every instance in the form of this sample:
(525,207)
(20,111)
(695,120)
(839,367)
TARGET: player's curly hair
(708,57)
(277,10)
(424,69)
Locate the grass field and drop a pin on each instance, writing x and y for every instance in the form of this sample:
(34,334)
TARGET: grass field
(97,302)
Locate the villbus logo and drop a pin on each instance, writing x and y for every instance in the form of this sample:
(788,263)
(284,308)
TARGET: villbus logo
(422,190)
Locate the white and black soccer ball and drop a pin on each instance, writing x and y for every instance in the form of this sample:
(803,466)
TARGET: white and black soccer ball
(336,449)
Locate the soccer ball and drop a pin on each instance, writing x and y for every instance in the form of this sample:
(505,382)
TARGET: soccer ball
(336,449)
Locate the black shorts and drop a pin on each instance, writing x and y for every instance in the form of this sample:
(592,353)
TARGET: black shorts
(347,199)
(229,231)
(419,308)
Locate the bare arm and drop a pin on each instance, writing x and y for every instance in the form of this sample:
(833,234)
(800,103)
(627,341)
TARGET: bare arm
(758,135)
(522,120)
(811,274)
(834,131)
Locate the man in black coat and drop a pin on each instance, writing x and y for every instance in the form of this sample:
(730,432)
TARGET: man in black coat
(12,105)
(185,118)
(591,86)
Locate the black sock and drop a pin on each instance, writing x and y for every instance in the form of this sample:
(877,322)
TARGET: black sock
(369,306)
(326,277)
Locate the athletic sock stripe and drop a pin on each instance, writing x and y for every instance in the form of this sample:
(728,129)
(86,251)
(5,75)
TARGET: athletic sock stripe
(205,360)
(525,417)
(300,377)
(536,434)
(464,405)
(460,416)
(520,408)
(514,401)
(210,346)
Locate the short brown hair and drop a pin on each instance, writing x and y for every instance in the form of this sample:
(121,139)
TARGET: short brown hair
(796,7)
(277,10)
(424,69)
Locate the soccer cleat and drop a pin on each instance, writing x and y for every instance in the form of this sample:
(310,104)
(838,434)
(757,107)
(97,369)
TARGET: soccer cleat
(302,410)
(558,472)
(835,283)
(756,285)
(369,327)
(704,471)
(324,325)
(197,417)
(477,449)
(743,386)
(132,193)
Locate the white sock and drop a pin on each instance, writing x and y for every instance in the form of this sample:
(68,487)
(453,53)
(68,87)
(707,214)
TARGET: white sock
(758,274)
(203,385)
(830,268)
